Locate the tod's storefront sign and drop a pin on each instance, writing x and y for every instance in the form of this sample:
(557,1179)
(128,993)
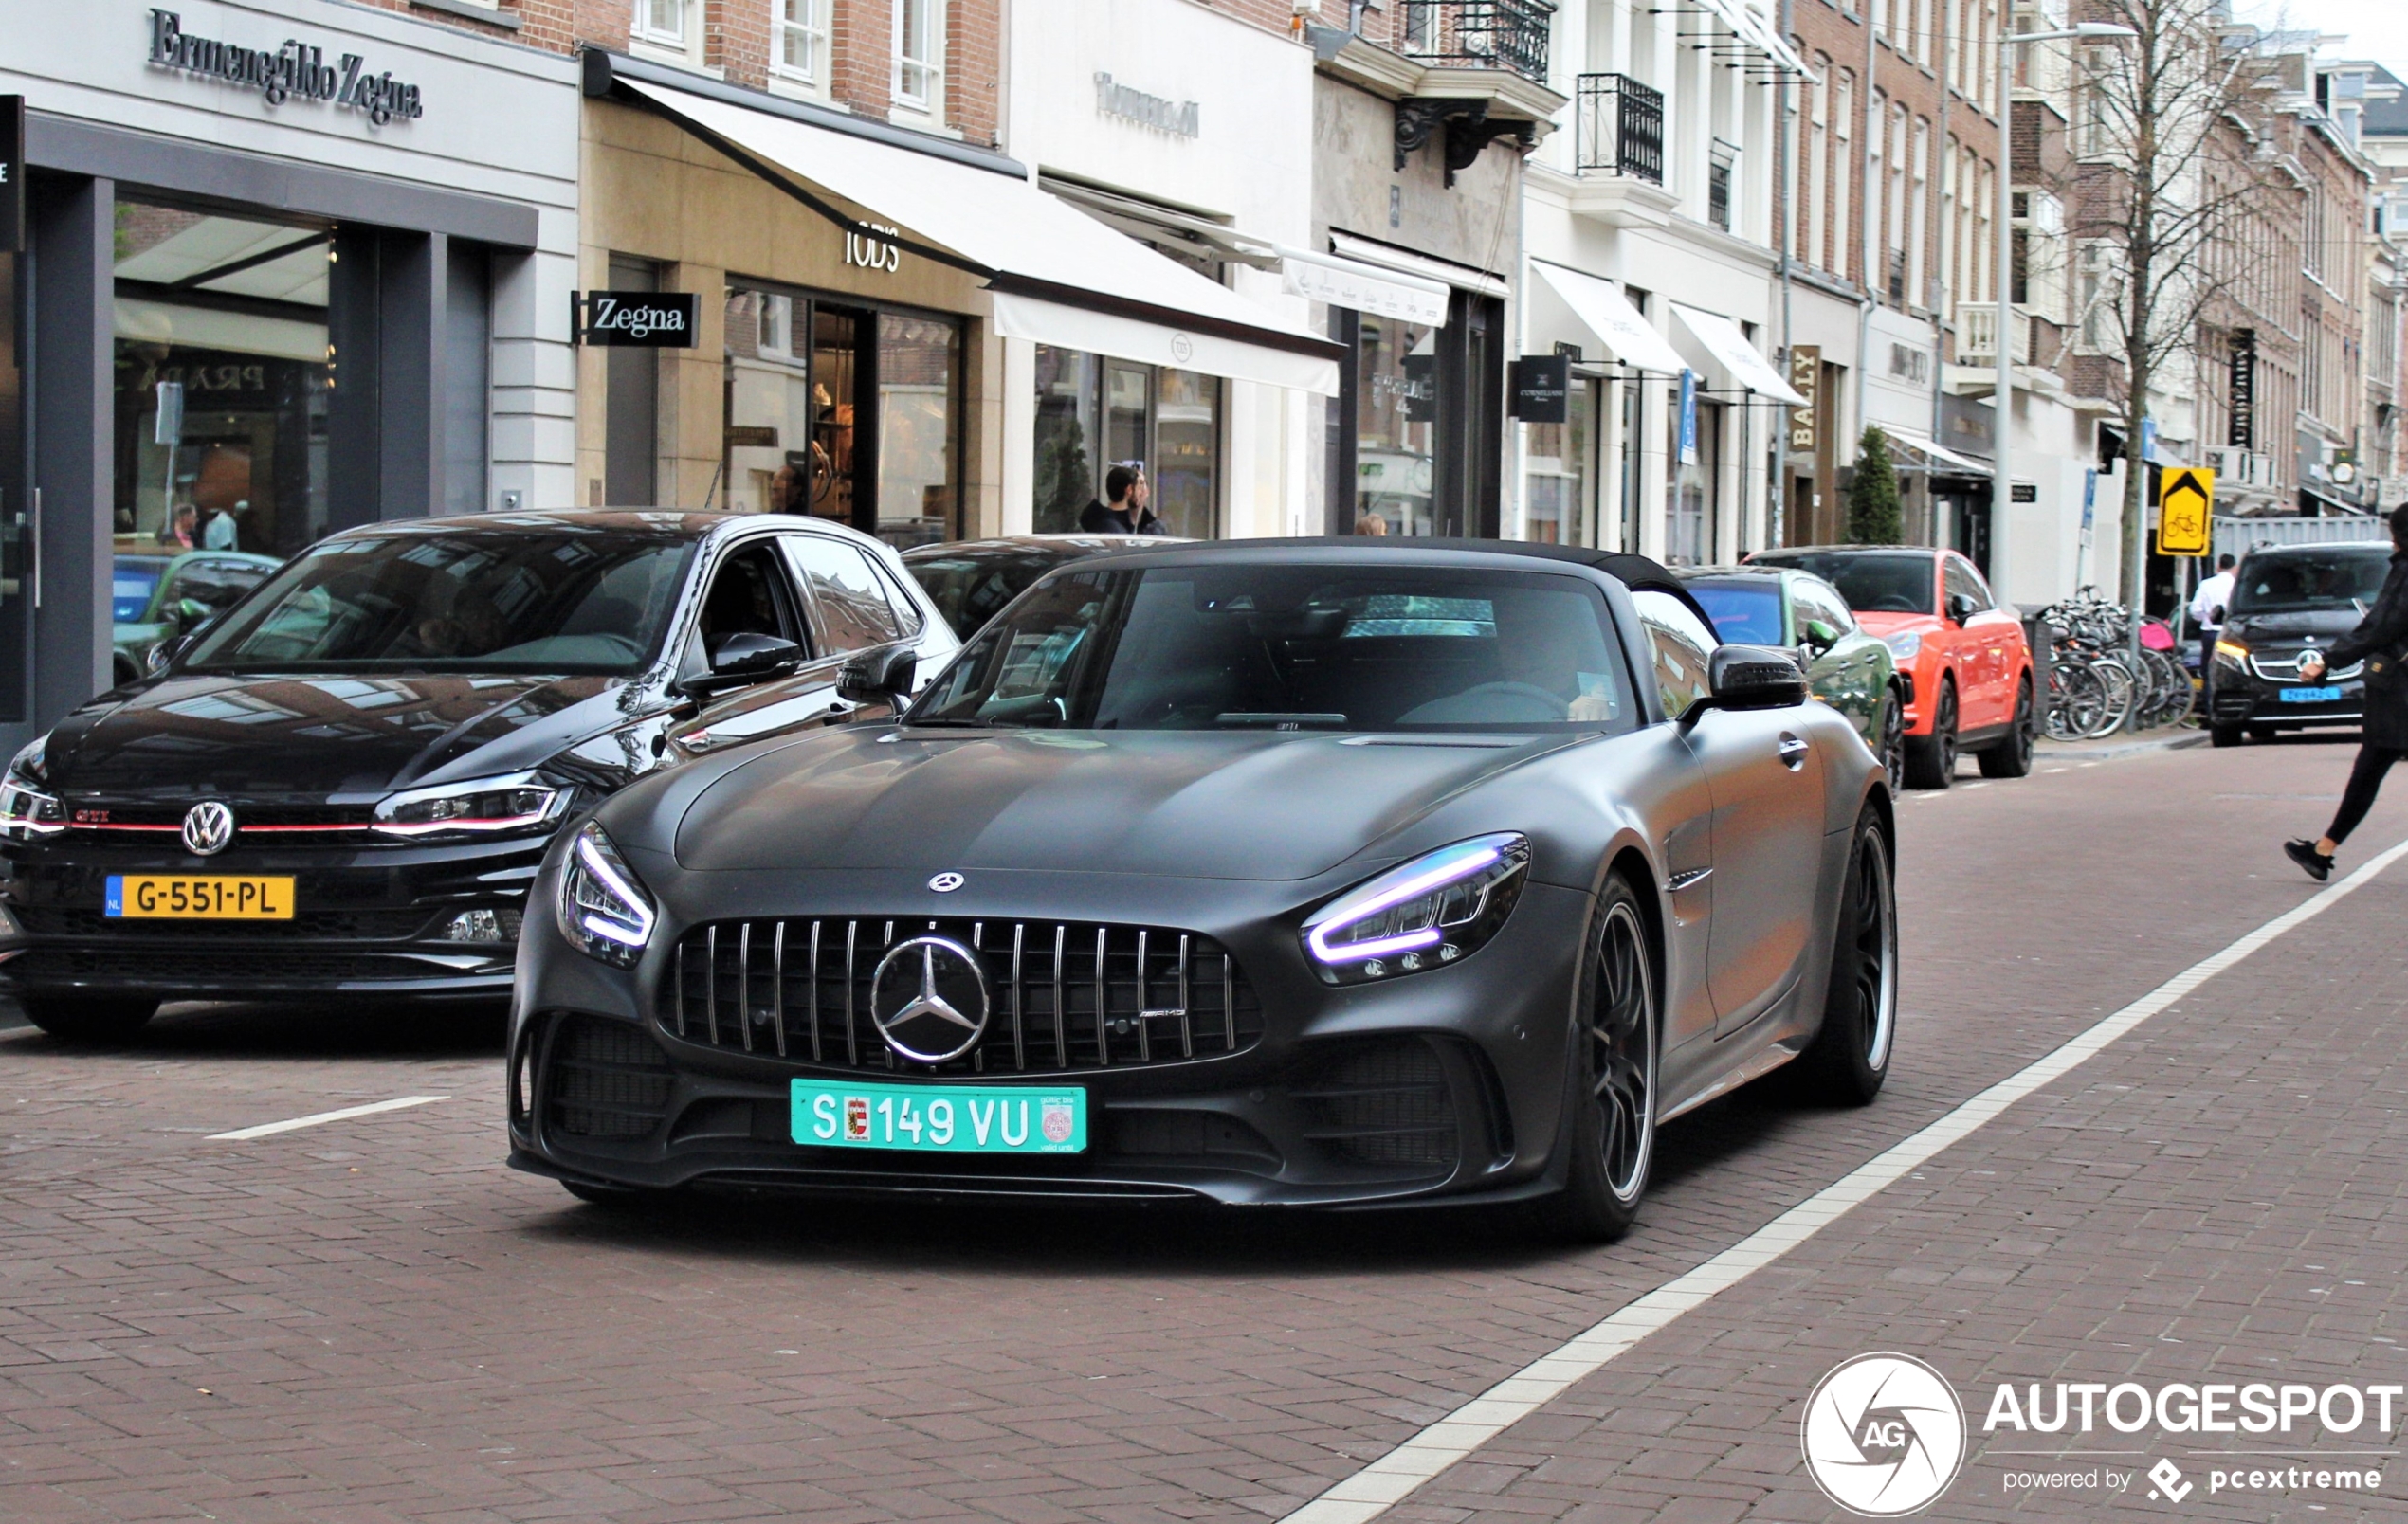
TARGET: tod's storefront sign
(296,70)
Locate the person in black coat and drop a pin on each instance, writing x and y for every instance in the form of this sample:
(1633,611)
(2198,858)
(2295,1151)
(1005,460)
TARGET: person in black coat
(2381,641)
(1126,513)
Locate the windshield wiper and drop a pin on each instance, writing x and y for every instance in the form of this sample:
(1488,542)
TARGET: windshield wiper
(1238,719)
(957,721)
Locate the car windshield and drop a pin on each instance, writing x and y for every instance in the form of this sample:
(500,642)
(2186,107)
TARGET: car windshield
(565,600)
(131,586)
(1293,648)
(970,589)
(1744,613)
(1874,582)
(2294,581)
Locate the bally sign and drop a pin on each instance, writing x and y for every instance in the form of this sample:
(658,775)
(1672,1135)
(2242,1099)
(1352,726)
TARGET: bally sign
(647,319)
(295,69)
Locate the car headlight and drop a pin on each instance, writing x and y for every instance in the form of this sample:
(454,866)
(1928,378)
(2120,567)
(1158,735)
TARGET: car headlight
(2231,653)
(1425,914)
(1905,645)
(480,805)
(26,808)
(603,908)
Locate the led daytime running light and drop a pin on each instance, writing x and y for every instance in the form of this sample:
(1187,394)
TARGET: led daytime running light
(1446,867)
(641,916)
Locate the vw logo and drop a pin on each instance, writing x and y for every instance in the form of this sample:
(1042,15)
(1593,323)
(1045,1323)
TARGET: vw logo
(209,827)
(945,883)
(928,999)
(1884,1435)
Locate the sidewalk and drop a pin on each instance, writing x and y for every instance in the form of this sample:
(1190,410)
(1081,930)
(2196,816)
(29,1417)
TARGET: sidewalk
(2124,743)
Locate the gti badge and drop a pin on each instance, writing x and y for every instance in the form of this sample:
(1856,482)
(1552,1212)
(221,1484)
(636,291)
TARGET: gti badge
(209,827)
(945,883)
(928,999)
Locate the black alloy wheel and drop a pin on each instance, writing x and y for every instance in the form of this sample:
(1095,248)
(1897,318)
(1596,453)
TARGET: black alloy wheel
(1612,1131)
(1931,760)
(94,1021)
(1892,731)
(1850,1055)
(2010,757)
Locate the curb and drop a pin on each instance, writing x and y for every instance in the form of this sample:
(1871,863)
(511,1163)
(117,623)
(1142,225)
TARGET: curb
(2181,740)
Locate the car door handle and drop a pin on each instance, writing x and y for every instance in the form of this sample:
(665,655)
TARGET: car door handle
(1793,752)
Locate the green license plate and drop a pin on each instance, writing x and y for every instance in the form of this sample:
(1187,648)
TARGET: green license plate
(942,1118)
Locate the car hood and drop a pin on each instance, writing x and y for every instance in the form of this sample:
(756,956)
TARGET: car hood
(1185,804)
(321,738)
(1885,626)
(2321,622)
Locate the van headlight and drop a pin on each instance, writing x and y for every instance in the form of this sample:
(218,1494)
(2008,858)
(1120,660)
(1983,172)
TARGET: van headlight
(28,807)
(603,908)
(478,807)
(1425,914)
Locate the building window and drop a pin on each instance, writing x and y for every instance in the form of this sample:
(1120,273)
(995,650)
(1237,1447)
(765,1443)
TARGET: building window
(919,54)
(1556,468)
(1095,412)
(802,40)
(661,22)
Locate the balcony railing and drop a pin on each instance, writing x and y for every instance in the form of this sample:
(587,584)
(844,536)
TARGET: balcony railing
(1620,127)
(1977,334)
(1721,162)
(1489,34)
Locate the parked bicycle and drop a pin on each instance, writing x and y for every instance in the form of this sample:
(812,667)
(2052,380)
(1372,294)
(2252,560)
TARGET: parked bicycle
(2096,685)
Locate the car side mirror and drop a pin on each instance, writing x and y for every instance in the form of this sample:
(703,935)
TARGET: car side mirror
(191,614)
(879,677)
(1750,677)
(740,657)
(1821,637)
(1960,608)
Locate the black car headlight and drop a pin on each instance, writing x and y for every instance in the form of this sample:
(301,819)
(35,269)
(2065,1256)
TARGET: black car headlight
(479,806)
(1425,914)
(603,908)
(27,809)
(2231,653)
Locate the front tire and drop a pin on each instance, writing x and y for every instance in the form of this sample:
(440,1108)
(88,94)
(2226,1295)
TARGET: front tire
(2011,756)
(1849,1057)
(94,1021)
(2221,737)
(1931,760)
(1617,1032)
(1892,732)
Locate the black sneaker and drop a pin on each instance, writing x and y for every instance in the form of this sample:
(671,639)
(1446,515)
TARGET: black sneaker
(2303,852)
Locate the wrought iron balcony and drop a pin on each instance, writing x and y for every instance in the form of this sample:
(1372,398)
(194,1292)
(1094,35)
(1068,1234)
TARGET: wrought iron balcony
(1620,127)
(1486,34)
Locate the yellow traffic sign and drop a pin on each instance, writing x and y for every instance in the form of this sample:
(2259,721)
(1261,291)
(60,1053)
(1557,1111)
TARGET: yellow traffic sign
(2185,510)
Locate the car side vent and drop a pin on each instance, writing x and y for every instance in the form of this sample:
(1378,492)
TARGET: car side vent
(1381,1102)
(606,1080)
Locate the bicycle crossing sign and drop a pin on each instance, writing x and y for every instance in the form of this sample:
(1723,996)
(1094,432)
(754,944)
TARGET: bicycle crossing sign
(2185,510)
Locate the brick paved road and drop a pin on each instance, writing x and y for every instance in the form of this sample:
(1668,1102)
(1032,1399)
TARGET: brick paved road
(373,1320)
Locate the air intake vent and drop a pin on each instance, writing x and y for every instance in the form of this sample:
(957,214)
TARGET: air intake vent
(607,1079)
(1379,1103)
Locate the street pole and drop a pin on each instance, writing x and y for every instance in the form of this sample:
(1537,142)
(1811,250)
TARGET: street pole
(2002,393)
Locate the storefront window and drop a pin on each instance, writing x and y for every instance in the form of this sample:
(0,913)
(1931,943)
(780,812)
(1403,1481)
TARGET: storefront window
(1557,465)
(1695,490)
(222,375)
(1397,424)
(1095,412)
(843,412)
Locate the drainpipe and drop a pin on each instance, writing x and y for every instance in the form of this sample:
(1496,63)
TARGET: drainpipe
(1870,99)
(1776,525)
(1937,287)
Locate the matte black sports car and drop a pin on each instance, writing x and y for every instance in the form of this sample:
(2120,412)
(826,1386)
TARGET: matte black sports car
(1293,872)
(346,780)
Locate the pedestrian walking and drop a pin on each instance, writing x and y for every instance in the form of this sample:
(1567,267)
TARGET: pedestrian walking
(2207,612)
(2381,641)
(1123,512)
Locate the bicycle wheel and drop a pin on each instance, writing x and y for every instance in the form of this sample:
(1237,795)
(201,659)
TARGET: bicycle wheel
(2115,710)
(2075,700)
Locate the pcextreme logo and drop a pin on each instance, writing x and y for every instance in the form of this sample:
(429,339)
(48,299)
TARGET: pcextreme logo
(1884,1435)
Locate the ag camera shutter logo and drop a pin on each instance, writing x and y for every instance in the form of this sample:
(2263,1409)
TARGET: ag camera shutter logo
(1884,1435)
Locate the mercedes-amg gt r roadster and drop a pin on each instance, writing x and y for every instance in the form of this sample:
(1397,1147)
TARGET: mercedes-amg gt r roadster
(1306,872)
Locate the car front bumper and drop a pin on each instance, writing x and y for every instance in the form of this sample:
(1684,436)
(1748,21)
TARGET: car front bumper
(1446,1084)
(368,919)
(2245,698)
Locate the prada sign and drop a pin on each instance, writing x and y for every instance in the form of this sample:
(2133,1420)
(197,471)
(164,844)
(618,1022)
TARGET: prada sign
(643,320)
(295,69)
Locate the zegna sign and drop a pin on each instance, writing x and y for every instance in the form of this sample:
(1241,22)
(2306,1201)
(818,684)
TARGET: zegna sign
(297,68)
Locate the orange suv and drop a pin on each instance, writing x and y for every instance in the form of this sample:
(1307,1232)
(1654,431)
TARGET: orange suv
(1970,669)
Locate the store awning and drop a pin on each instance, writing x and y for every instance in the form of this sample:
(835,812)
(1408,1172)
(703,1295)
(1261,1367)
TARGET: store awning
(1607,316)
(1938,457)
(1059,276)
(1359,287)
(1732,350)
(1423,267)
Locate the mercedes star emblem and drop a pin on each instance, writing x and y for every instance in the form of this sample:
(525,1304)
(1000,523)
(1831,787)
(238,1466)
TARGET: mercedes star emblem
(945,883)
(928,999)
(208,827)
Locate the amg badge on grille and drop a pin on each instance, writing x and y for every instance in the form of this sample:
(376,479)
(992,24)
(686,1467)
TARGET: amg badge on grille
(928,999)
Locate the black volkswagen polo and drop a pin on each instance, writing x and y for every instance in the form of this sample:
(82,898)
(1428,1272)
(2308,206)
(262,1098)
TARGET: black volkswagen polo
(346,783)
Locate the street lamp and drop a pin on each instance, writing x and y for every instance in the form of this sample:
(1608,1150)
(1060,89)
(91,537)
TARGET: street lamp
(2003,396)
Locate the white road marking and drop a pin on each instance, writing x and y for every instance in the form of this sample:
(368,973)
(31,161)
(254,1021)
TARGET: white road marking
(1395,1476)
(318,1119)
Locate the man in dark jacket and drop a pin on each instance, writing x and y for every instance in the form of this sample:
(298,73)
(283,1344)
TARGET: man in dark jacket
(2381,641)
(1125,512)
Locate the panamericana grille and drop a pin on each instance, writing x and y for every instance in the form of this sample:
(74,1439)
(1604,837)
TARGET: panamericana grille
(1065,994)
(606,1080)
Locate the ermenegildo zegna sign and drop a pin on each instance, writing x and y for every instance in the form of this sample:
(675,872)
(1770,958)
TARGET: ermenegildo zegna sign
(296,69)
(651,319)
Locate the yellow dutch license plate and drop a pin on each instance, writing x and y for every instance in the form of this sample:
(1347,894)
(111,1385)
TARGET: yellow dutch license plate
(199,897)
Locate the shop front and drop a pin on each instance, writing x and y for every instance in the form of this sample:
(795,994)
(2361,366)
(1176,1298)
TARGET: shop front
(279,275)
